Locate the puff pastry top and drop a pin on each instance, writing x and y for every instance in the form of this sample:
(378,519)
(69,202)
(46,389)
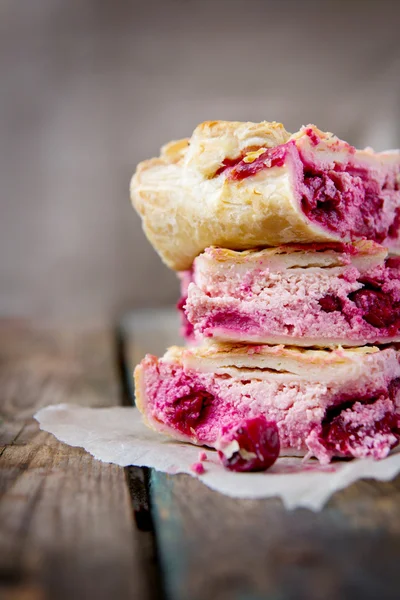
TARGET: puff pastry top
(187,202)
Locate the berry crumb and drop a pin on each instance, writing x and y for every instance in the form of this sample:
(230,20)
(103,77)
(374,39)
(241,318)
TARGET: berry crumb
(198,468)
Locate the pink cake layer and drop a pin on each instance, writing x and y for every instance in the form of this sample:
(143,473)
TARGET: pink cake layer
(324,412)
(342,295)
(351,198)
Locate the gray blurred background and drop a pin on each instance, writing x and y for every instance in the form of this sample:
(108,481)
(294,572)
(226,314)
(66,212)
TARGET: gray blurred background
(90,87)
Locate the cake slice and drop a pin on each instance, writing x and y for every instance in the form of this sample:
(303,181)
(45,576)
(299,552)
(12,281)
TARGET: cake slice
(325,403)
(242,185)
(319,295)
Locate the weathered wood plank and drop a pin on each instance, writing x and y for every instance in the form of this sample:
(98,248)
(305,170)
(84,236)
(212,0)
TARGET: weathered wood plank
(226,549)
(66,521)
(212,546)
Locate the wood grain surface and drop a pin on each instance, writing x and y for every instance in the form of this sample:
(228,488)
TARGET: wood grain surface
(72,527)
(66,521)
(212,546)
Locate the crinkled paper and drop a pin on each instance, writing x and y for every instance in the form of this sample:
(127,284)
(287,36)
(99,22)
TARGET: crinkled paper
(118,435)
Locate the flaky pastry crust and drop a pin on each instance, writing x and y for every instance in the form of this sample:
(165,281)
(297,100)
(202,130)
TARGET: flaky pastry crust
(279,358)
(185,207)
(364,255)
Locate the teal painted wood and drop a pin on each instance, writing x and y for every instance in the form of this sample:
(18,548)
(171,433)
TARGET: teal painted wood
(216,548)
(170,537)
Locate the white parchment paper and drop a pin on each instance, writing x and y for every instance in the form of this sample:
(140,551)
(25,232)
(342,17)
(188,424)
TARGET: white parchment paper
(118,435)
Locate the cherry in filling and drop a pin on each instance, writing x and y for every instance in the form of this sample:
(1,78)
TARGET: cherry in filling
(348,200)
(239,168)
(250,445)
(352,429)
(228,163)
(330,303)
(189,411)
(377,308)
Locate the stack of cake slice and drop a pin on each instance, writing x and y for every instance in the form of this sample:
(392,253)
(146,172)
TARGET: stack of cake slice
(289,294)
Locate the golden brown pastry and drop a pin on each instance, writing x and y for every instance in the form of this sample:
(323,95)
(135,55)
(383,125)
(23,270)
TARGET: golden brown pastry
(241,185)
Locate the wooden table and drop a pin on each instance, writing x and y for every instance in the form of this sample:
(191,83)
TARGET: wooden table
(74,528)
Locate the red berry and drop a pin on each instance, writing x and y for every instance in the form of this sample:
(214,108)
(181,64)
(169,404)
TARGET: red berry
(344,435)
(377,307)
(330,303)
(189,411)
(250,445)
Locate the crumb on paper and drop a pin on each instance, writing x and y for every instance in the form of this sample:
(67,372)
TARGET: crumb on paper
(198,468)
(202,456)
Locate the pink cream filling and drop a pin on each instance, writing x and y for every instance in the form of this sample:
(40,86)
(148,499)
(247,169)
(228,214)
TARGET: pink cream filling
(376,308)
(348,198)
(202,405)
(371,312)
